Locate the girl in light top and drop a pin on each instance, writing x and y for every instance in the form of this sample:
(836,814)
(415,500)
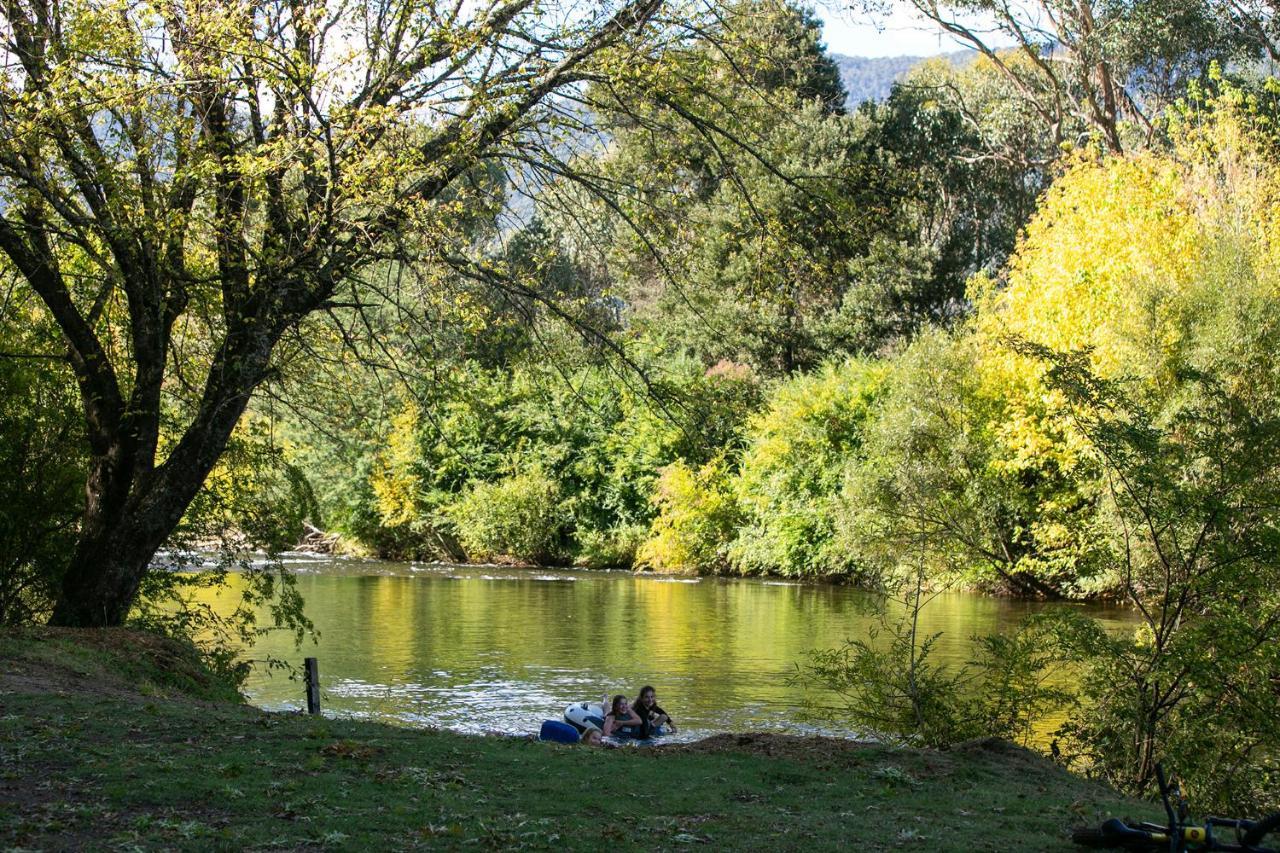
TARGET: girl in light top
(621,721)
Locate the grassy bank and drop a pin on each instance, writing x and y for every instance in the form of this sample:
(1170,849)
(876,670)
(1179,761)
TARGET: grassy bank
(116,740)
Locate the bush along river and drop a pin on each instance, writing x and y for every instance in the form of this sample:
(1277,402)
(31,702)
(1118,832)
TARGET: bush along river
(495,649)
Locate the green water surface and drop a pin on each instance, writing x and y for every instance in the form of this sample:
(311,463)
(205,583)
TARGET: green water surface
(501,649)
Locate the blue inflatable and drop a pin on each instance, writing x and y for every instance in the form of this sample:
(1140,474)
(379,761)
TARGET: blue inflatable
(558,732)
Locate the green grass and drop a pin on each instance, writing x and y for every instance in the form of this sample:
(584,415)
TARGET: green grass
(121,770)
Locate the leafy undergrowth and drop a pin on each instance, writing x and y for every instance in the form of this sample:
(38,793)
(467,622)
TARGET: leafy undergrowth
(84,768)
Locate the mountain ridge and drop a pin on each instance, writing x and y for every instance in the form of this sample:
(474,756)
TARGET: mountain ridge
(871,78)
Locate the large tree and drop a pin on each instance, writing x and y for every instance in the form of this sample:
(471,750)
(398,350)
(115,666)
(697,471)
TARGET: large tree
(183,182)
(752,207)
(1109,66)
(974,156)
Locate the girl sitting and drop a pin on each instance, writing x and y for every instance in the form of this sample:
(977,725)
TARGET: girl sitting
(621,721)
(655,720)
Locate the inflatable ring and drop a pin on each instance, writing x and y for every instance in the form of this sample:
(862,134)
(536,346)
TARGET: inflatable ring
(585,715)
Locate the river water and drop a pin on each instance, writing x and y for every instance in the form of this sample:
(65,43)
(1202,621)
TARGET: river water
(500,649)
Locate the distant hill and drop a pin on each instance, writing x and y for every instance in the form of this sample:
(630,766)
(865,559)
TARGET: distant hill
(868,78)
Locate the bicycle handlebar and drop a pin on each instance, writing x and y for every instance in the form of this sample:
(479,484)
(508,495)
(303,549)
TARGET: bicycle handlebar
(1164,797)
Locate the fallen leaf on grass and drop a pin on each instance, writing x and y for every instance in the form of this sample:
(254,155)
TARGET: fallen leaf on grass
(436,778)
(350,749)
(690,838)
(432,829)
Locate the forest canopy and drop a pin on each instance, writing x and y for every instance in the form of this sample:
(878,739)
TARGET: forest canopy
(415,318)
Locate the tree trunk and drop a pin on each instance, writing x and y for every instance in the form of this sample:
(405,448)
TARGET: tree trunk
(119,538)
(132,509)
(101,582)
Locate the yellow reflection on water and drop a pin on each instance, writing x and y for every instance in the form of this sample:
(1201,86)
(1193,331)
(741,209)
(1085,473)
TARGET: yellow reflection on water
(501,649)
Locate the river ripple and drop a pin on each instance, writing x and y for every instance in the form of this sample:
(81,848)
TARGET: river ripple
(500,649)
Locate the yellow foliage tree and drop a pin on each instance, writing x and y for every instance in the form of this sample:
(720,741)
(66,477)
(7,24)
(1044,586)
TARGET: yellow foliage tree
(1132,260)
(395,480)
(697,519)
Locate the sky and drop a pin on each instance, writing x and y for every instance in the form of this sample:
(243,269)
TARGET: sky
(895,34)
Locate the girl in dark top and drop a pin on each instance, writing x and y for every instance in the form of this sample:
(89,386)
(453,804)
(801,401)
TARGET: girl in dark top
(653,717)
(621,721)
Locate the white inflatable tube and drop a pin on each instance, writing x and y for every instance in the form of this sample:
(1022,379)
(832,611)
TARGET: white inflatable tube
(585,715)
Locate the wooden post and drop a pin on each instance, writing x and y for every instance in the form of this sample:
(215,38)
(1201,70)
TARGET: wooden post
(313,686)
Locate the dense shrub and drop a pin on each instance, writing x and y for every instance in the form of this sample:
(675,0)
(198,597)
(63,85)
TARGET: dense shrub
(935,482)
(1191,516)
(791,471)
(518,517)
(612,548)
(595,431)
(697,519)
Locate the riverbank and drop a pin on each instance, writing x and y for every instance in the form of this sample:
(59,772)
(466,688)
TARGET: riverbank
(357,553)
(117,739)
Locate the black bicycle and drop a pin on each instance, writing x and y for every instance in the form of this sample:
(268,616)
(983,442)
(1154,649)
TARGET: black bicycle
(1181,833)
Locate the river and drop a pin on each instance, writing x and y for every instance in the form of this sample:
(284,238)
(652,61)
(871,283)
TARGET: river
(500,649)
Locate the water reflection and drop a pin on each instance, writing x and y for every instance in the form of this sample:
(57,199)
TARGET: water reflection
(498,649)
